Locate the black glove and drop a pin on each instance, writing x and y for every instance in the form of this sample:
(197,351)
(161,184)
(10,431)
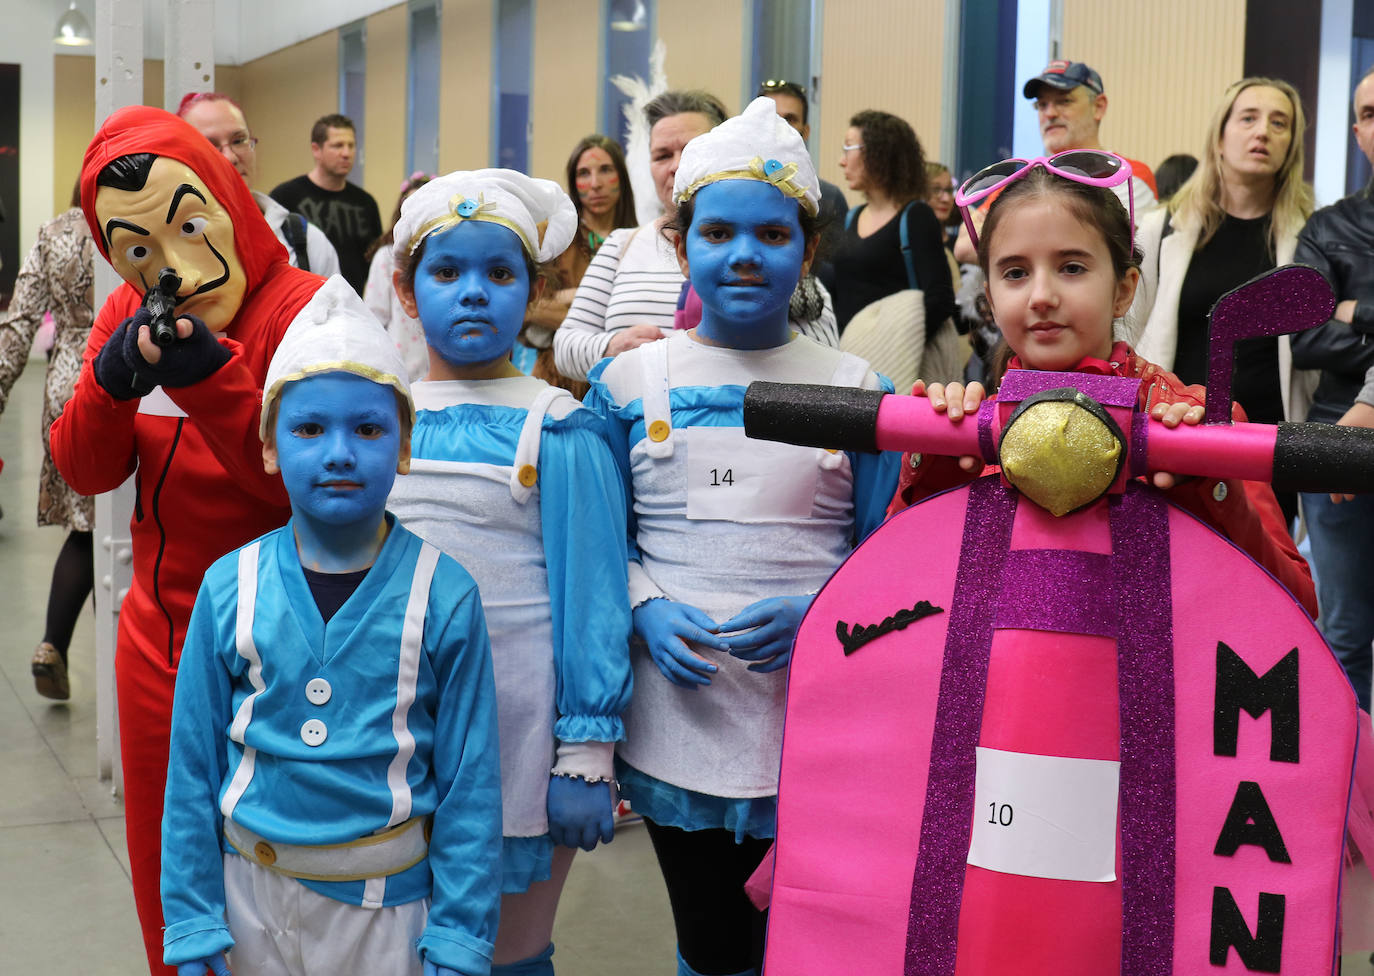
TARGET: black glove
(121,369)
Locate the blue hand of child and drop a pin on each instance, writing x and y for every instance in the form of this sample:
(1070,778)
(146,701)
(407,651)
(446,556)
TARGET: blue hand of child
(763,632)
(580,813)
(216,964)
(665,627)
(432,970)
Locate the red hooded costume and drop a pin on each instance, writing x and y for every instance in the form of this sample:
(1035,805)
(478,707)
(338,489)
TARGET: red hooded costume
(201,488)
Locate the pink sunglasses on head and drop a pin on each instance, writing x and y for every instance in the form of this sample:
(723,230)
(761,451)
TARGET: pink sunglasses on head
(1091,167)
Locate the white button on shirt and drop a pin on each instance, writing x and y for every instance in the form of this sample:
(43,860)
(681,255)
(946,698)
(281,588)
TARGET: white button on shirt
(314,732)
(318,691)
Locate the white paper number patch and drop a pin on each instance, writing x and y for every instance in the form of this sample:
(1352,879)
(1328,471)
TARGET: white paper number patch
(1045,816)
(731,477)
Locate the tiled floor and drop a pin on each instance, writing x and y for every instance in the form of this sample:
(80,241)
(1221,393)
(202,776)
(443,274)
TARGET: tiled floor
(65,904)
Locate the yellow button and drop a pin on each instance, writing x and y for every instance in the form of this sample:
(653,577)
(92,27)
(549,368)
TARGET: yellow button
(264,853)
(658,430)
(527,475)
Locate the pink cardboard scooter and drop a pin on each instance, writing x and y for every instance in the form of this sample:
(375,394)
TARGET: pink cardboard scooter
(1093,740)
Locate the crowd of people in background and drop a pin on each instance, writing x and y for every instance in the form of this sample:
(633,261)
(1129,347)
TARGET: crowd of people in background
(639,357)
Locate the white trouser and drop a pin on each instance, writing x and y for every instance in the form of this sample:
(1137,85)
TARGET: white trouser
(282,928)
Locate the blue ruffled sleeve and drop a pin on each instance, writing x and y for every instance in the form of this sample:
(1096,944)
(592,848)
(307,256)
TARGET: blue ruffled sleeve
(875,482)
(618,423)
(582,508)
(192,862)
(465,842)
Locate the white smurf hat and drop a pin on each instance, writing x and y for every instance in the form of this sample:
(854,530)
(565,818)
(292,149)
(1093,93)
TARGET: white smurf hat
(334,332)
(754,145)
(501,196)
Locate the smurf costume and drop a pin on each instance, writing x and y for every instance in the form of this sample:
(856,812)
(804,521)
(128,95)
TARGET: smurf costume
(722,526)
(333,793)
(515,479)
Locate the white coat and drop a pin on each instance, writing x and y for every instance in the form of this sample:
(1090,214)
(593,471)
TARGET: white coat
(1156,305)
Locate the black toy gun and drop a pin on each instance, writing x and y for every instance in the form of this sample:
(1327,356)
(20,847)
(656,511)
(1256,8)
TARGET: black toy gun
(161,303)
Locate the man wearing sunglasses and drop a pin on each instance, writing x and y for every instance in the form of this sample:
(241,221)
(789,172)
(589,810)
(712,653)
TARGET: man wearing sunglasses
(790,99)
(1070,104)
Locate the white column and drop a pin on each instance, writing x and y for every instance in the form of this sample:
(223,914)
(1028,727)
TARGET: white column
(118,82)
(1332,113)
(188,50)
(1035,48)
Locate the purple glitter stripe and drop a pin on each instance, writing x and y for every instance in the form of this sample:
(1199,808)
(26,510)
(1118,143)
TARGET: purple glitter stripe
(1287,299)
(1080,605)
(938,882)
(1145,674)
(1140,433)
(1110,391)
(986,409)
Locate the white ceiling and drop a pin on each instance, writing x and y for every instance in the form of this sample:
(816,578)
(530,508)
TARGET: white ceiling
(244,29)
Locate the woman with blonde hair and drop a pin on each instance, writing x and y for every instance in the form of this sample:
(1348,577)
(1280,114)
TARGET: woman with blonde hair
(1237,216)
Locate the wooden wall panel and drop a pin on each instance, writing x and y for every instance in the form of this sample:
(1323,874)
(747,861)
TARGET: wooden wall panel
(888,55)
(387,81)
(567,44)
(1162,81)
(282,95)
(465,91)
(707,46)
(74,124)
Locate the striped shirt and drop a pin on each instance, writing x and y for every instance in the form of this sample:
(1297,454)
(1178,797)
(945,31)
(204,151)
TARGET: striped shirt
(634,279)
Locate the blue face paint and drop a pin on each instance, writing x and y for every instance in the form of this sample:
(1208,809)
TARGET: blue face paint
(745,250)
(338,438)
(471,289)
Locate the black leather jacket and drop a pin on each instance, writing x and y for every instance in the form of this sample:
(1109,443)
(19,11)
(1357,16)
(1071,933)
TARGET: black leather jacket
(1339,242)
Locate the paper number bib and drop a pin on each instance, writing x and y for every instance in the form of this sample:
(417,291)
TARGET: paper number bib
(1045,816)
(737,479)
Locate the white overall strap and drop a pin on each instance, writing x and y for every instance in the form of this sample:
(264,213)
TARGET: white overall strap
(248,650)
(851,370)
(658,416)
(407,672)
(525,469)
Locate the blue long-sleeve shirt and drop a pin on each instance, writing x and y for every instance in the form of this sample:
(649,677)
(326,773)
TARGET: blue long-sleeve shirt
(409,730)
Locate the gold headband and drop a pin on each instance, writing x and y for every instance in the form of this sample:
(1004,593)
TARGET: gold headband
(772,171)
(461,208)
(338,366)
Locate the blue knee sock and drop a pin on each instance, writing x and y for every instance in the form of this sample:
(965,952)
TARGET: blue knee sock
(540,965)
(685,970)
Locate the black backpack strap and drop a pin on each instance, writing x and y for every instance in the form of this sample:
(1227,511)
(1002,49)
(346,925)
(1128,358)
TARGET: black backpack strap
(1168,229)
(294,228)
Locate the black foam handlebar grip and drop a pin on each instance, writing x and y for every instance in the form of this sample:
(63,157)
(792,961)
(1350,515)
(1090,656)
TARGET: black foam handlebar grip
(837,418)
(1324,457)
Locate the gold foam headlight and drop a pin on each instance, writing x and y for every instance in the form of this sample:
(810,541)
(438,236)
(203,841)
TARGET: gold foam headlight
(1061,450)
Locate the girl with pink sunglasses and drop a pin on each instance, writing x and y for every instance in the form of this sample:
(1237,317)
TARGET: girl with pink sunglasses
(1059,256)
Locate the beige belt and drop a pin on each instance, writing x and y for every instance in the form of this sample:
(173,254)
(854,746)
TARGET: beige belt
(374,856)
